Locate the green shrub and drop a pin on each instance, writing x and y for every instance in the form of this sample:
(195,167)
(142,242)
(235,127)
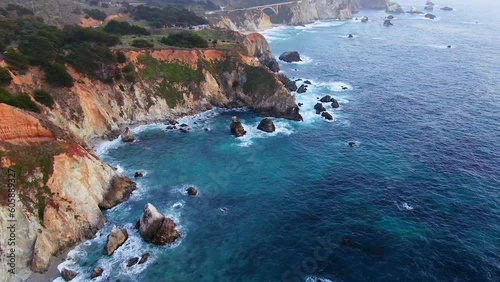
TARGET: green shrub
(20,100)
(120,57)
(43,97)
(39,49)
(2,46)
(124,28)
(5,77)
(141,43)
(185,39)
(129,72)
(77,35)
(16,59)
(161,17)
(96,14)
(57,75)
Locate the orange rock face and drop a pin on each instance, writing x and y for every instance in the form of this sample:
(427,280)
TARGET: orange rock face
(20,128)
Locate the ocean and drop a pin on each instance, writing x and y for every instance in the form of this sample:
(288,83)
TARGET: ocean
(417,198)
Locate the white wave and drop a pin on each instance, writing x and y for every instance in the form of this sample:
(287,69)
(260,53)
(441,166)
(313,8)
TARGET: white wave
(178,205)
(321,24)
(404,206)
(337,86)
(316,278)
(440,46)
(103,147)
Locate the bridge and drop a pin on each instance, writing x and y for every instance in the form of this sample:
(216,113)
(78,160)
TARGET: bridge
(274,7)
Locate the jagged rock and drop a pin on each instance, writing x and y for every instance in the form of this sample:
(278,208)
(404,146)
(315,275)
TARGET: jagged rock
(390,17)
(116,238)
(387,23)
(414,10)
(351,143)
(447,8)
(154,227)
(68,275)
(430,16)
(289,84)
(138,174)
(184,130)
(319,108)
(344,87)
(191,191)
(302,89)
(96,272)
(350,36)
(307,82)
(364,19)
(266,125)
(119,191)
(171,127)
(236,127)
(335,103)
(327,115)
(144,258)
(131,262)
(290,56)
(127,135)
(326,99)
(267,59)
(300,104)
(394,8)
(184,125)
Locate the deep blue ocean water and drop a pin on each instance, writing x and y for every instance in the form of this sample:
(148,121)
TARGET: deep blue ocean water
(419,194)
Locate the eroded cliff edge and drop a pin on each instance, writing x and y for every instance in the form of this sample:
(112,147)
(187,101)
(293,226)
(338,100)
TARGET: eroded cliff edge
(60,183)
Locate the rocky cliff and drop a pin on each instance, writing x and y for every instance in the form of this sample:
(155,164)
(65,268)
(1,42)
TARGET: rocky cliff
(304,12)
(60,184)
(372,4)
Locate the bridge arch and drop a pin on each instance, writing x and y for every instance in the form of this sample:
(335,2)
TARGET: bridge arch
(270,11)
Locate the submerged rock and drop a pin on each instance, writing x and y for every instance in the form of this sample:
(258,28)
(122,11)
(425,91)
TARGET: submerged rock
(290,56)
(351,143)
(131,262)
(116,238)
(335,103)
(387,23)
(327,115)
(429,8)
(364,19)
(138,174)
(302,89)
(184,130)
(447,8)
(350,36)
(430,16)
(144,258)
(266,125)
(236,127)
(307,82)
(68,275)
(326,99)
(390,17)
(154,227)
(96,272)
(319,108)
(191,191)
(127,135)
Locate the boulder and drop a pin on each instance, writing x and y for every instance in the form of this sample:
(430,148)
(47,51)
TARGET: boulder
(184,125)
(144,258)
(350,36)
(414,10)
(394,8)
(390,17)
(96,272)
(327,115)
(307,82)
(351,143)
(335,103)
(290,56)
(447,8)
(68,275)
(267,59)
(266,125)
(171,127)
(116,238)
(430,16)
(326,99)
(119,191)
(127,135)
(236,127)
(184,130)
(364,19)
(191,191)
(131,262)
(387,23)
(319,108)
(138,174)
(154,227)
(302,89)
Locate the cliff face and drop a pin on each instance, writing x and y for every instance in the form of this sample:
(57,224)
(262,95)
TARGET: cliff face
(297,13)
(60,183)
(372,4)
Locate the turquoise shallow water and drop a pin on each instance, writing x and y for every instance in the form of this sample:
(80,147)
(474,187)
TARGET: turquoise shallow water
(418,194)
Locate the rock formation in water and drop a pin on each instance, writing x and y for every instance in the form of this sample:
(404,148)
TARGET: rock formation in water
(236,127)
(155,228)
(290,56)
(394,8)
(116,238)
(266,125)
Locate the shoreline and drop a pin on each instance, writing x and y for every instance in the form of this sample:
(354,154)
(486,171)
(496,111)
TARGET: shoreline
(53,271)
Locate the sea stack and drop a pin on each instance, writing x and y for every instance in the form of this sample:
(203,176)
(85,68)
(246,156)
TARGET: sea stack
(266,125)
(236,127)
(127,135)
(155,228)
(290,57)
